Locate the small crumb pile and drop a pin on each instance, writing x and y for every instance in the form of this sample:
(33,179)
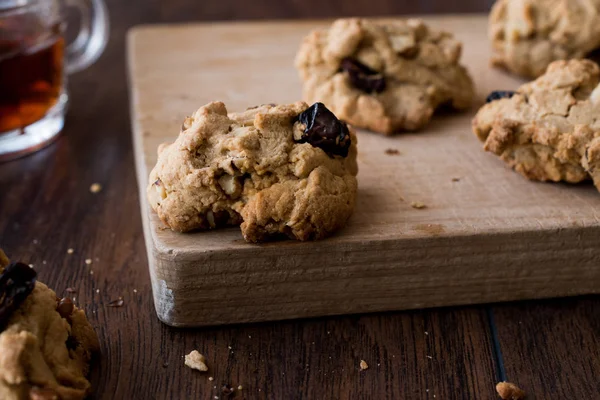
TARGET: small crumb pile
(509,391)
(95,188)
(418,205)
(363,365)
(195,360)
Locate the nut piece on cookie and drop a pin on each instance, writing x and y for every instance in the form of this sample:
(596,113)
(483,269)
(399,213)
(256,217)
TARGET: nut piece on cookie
(549,129)
(46,343)
(528,35)
(383,76)
(273,169)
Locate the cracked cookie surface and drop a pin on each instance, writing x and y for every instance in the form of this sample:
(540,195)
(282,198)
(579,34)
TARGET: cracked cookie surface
(258,169)
(384,76)
(549,130)
(45,347)
(527,35)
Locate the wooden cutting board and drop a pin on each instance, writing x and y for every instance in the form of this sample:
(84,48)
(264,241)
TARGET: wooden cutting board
(487,234)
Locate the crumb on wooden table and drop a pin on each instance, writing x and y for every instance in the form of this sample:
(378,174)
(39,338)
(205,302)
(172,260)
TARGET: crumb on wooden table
(509,391)
(392,152)
(195,360)
(363,365)
(70,251)
(455,179)
(418,205)
(95,188)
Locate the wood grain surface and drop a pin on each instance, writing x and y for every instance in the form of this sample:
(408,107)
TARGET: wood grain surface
(45,198)
(390,256)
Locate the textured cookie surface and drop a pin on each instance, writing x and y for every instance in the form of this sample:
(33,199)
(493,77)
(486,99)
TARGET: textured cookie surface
(527,35)
(45,349)
(383,76)
(549,129)
(255,168)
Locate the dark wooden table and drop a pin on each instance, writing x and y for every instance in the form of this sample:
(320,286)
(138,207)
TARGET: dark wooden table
(550,348)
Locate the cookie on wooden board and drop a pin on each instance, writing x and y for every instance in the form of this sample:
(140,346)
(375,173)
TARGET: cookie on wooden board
(272,169)
(549,129)
(384,76)
(527,35)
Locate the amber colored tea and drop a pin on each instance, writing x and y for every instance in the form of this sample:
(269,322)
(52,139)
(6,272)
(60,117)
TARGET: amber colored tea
(30,81)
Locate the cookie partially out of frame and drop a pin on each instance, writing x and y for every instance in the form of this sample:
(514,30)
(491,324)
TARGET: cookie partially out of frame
(549,129)
(384,76)
(273,169)
(46,343)
(527,35)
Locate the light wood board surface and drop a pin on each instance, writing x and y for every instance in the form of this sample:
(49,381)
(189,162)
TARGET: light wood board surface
(486,235)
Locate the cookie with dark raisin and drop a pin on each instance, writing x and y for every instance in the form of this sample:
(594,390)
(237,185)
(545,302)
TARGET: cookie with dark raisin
(384,76)
(46,343)
(275,170)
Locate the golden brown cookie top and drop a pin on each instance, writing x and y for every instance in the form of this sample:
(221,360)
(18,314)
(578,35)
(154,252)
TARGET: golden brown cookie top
(221,163)
(383,75)
(549,128)
(527,35)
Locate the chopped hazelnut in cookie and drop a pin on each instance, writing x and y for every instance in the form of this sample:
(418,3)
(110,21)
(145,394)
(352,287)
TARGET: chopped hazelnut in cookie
(549,129)
(286,169)
(384,76)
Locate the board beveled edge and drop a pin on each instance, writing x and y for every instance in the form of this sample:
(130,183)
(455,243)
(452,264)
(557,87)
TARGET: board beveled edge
(403,281)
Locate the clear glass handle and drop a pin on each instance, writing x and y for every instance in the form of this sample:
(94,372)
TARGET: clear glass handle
(92,37)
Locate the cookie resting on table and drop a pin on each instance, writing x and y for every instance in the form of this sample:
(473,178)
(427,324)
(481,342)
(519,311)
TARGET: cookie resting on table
(527,35)
(274,170)
(549,129)
(46,343)
(383,76)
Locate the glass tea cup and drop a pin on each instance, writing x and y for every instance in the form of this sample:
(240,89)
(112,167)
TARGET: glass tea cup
(34,63)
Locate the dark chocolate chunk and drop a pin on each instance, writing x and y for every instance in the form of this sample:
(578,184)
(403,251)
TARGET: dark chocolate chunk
(16,283)
(500,94)
(363,77)
(324,130)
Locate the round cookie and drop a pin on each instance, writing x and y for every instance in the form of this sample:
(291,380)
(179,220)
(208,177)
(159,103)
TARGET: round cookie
(527,35)
(383,76)
(272,169)
(548,130)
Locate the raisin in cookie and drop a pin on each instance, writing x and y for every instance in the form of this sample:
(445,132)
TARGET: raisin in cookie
(383,76)
(287,169)
(527,35)
(549,129)
(45,343)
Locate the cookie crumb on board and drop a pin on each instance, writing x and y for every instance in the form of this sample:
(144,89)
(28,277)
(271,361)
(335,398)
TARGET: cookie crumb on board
(392,152)
(363,365)
(195,360)
(418,205)
(95,188)
(455,179)
(509,391)
(70,251)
